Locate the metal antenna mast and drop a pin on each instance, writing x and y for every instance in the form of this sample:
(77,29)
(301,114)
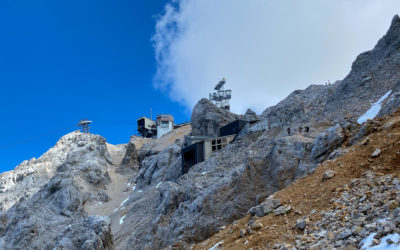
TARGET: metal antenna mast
(84,125)
(221,97)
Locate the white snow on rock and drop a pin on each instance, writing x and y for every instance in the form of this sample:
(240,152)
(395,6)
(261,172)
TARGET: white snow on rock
(216,245)
(367,242)
(134,187)
(122,220)
(374,110)
(123,202)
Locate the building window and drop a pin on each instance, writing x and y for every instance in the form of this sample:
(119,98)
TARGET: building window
(164,124)
(218,144)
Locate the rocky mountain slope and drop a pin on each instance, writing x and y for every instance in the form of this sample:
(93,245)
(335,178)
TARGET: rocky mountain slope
(349,202)
(87,194)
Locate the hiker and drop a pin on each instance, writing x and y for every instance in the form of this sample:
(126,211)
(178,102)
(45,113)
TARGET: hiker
(306,129)
(300,130)
(288,131)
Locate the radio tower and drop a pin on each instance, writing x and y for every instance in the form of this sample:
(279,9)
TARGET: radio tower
(84,125)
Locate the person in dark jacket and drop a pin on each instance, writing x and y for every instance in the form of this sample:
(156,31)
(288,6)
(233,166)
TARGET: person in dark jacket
(300,130)
(288,131)
(306,129)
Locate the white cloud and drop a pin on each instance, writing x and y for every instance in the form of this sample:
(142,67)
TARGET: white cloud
(265,48)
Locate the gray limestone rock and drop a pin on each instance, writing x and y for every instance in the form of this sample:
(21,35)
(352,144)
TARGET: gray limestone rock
(328,141)
(250,116)
(328,174)
(265,207)
(208,118)
(165,166)
(54,216)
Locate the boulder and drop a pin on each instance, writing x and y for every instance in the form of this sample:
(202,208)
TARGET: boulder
(265,207)
(207,118)
(376,153)
(328,141)
(328,174)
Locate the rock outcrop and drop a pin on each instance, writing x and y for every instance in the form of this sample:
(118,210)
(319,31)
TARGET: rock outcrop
(372,74)
(208,118)
(54,216)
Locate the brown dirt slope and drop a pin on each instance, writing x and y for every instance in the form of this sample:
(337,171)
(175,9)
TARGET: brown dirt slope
(311,193)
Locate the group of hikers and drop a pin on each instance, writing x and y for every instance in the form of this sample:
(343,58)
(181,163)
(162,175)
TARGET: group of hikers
(306,130)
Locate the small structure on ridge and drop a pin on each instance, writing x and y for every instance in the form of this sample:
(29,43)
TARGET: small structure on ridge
(165,124)
(84,125)
(221,97)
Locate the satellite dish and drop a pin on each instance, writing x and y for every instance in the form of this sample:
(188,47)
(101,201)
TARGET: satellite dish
(220,84)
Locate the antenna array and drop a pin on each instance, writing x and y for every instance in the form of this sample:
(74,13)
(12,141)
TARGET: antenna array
(221,97)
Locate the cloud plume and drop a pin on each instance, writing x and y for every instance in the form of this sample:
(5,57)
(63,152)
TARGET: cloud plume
(265,48)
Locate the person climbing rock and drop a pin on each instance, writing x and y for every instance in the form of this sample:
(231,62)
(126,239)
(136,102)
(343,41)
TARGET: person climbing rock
(306,129)
(288,131)
(300,130)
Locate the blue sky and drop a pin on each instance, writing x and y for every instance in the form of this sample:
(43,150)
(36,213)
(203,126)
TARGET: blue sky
(63,60)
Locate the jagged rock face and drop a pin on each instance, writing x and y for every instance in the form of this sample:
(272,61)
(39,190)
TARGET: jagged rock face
(54,216)
(131,157)
(328,141)
(208,118)
(165,166)
(250,116)
(28,177)
(373,74)
(213,193)
(299,106)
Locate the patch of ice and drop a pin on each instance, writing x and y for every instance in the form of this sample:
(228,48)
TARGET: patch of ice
(383,245)
(374,110)
(367,241)
(122,219)
(216,245)
(124,201)
(134,187)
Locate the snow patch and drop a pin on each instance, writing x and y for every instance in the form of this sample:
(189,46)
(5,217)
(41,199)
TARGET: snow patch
(204,173)
(122,220)
(158,184)
(134,187)
(367,242)
(216,245)
(374,110)
(123,202)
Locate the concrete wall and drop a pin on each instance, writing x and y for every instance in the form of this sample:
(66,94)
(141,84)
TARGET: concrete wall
(162,131)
